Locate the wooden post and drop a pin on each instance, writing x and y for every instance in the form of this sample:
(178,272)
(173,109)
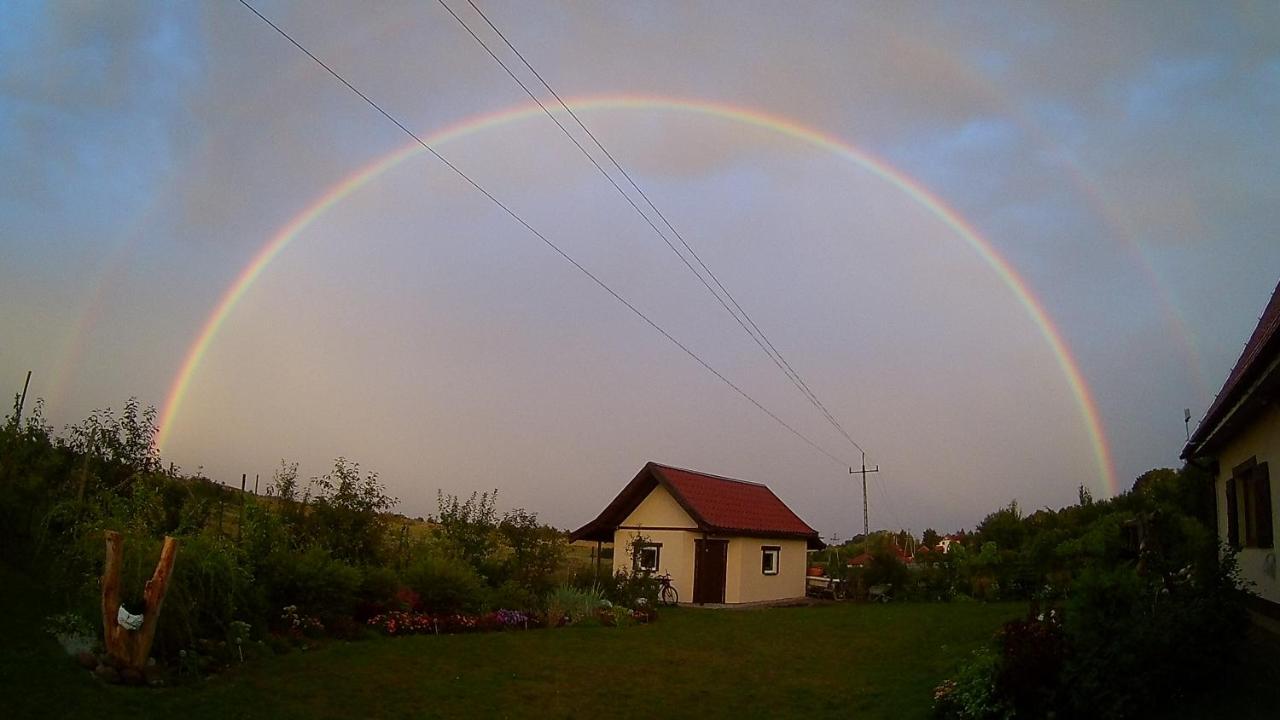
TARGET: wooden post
(132,647)
(244,478)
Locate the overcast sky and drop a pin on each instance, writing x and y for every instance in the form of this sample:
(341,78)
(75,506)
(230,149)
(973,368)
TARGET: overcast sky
(1122,159)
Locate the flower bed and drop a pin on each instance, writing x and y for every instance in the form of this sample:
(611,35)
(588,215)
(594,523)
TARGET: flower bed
(408,622)
(403,622)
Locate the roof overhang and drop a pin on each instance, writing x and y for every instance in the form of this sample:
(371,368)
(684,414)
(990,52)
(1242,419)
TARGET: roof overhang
(1213,431)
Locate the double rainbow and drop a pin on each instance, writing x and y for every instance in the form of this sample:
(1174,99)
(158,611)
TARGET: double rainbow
(746,116)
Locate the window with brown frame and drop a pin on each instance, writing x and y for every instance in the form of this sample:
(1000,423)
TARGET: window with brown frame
(647,557)
(1249,499)
(1233,515)
(769,557)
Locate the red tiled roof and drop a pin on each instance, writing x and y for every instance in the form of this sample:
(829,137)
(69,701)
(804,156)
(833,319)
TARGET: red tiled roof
(727,504)
(716,504)
(1252,360)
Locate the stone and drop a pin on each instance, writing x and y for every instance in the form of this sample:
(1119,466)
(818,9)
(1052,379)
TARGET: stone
(106,673)
(87,660)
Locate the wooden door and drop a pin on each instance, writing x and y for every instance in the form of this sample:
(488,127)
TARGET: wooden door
(709,562)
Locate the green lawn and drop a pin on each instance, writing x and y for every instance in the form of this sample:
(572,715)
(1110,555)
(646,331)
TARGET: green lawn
(847,661)
(863,661)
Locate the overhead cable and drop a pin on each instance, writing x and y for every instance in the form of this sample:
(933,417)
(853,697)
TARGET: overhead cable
(556,248)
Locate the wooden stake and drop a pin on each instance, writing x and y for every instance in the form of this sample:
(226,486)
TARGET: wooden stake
(132,647)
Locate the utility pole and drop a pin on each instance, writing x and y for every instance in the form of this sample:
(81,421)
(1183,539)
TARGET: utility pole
(866,527)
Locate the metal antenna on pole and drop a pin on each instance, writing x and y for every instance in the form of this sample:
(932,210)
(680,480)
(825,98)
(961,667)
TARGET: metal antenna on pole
(1186,420)
(22,403)
(866,527)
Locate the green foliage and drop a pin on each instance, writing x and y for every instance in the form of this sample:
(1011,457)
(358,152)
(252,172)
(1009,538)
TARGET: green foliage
(318,583)
(972,695)
(323,550)
(378,585)
(1003,527)
(470,525)
(1146,596)
(574,605)
(513,596)
(347,513)
(445,584)
(118,446)
(886,568)
(536,551)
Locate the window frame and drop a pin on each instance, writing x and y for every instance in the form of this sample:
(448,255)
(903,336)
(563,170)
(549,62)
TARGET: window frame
(767,551)
(1249,509)
(638,560)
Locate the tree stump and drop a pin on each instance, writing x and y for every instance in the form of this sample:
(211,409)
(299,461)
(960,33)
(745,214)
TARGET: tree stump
(128,647)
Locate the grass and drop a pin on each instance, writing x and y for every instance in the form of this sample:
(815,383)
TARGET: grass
(864,661)
(861,661)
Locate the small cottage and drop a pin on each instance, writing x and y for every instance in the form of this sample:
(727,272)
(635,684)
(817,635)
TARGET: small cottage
(721,540)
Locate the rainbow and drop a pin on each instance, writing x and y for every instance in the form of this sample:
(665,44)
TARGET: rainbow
(746,116)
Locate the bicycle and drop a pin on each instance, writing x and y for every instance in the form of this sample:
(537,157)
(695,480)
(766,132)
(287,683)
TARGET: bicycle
(667,593)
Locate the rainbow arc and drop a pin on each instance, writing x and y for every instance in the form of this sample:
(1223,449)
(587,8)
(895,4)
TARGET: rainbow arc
(291,231)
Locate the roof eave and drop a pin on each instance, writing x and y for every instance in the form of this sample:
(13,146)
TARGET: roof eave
(1208,433)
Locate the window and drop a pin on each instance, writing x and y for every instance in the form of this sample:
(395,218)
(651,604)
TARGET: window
(769,555)
(1249,504)
(647,557)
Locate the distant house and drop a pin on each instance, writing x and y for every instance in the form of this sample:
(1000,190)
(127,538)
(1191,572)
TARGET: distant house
(1240,434)
(860,561)
(721,540)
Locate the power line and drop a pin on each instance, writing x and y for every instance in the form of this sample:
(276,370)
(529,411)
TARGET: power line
(736,311)
(564,255)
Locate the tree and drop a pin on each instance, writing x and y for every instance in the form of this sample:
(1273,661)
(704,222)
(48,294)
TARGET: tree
(347,513)
(1004,527)
(931,538)
(536,550)
(471,525)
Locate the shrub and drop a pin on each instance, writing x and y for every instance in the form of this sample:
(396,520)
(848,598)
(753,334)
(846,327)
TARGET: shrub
(470,525)
(314,581)
(445,584)
(972,694)
(1161,633)
(513,596)
(347,513)
(1032,655)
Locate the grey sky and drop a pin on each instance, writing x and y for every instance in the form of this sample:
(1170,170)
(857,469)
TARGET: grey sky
(1120,157)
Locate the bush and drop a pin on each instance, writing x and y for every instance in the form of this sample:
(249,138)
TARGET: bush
(314,581)
(1161,634)
(347,513)
(513,596)
(1032,655)
(445,584)
(972,694)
